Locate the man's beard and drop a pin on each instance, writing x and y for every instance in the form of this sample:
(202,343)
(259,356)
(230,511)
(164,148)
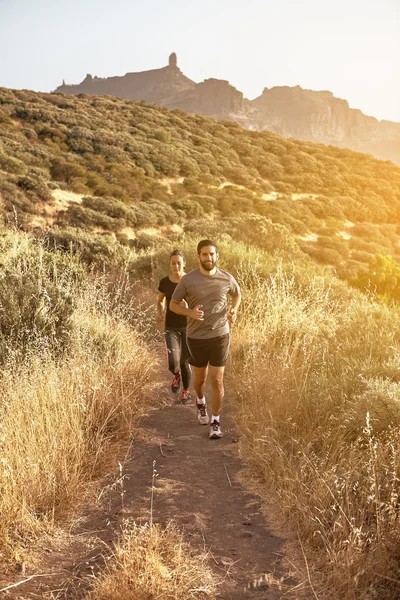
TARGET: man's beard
(208,265)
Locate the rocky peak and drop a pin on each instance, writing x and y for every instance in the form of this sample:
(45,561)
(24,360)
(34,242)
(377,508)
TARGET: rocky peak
(173,61)
(152,86)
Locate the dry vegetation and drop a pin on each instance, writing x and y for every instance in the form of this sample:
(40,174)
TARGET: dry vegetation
(316,364)
(149,562)
(134,167)
(316,374)
(68,402)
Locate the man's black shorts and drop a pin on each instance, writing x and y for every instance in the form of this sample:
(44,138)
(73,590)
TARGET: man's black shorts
(213,351)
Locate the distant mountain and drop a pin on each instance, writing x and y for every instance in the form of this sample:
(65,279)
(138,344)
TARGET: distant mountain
(155,86)
(316,116)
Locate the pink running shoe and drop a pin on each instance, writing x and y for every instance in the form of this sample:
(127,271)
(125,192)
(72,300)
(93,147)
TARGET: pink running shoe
(186,397)
(176,383)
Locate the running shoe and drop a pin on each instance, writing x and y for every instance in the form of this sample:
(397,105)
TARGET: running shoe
(176,383)
(202,414)
(215,431)
(186,397)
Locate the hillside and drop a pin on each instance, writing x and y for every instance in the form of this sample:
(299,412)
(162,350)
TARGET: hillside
(314,366)
(81,167)
(293,112)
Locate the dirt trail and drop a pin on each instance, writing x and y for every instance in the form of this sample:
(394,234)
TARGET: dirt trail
(197,486)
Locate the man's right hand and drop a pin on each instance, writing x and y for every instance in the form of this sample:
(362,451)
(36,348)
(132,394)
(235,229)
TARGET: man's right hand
(197,313)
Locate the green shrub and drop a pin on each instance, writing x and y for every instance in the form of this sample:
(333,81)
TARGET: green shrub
(382,278)
(361,256)
(334,243)
(145,241)
(36,298)
(325,256)
(162,135)
(63,170)
(192,185)
(99,250)
(207,203)
(112,208)
(152,213)
(191,208)
(81,216)
(12,165)
(36,189)
(253,230)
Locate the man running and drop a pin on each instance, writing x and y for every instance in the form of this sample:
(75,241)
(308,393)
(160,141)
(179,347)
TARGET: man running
(206,290)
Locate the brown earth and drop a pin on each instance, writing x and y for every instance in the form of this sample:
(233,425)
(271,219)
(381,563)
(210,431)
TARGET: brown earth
(199,487)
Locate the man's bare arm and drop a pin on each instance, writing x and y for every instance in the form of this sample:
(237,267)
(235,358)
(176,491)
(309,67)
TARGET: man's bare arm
(234,308)
(181,308)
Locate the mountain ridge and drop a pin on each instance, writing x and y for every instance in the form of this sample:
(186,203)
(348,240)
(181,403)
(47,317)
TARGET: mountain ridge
(290,111)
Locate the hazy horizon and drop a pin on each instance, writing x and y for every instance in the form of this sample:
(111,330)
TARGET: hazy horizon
(350,51)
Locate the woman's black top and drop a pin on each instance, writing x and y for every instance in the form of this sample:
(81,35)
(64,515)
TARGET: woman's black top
(172,320)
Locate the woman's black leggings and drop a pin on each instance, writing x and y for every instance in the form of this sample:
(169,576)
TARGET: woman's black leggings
(178,354)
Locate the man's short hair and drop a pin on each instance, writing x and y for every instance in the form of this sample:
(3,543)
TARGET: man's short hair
(204,243)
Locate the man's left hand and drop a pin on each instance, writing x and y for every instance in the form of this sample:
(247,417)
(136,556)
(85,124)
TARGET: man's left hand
(232,316)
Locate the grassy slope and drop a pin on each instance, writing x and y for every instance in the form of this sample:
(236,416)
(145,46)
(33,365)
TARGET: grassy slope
(139,167)
(316,365)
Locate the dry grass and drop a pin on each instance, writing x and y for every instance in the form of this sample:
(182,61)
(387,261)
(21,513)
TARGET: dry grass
(318,400)
(149,562)
(65,421)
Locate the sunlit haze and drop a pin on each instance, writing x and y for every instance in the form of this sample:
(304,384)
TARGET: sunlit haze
(350,47)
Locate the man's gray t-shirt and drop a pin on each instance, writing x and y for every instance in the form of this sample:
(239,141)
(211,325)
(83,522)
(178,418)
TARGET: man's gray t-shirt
(211,291)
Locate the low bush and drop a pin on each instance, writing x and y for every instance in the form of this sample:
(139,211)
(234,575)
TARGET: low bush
(151,562)
(207,203)
(95,249)
(112,208)
(191,208)
(37,290)
(12,165)
(382,277)
(35,188)
(81,216)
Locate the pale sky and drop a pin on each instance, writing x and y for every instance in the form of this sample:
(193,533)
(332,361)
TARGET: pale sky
(351,47)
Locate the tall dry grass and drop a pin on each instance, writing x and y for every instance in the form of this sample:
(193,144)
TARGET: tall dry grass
(150,562)
(316,372)
(66,414)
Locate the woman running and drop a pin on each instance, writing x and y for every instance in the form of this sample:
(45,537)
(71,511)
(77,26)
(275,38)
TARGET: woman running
(175,328)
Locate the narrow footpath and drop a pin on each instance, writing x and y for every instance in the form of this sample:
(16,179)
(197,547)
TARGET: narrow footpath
(197,487)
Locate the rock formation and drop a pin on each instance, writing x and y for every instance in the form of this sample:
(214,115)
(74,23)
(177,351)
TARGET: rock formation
(151,86)
(321,117)
(173,60)
(213,97)
(317,116)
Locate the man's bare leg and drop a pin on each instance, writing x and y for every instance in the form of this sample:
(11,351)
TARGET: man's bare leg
(217,387)
(199,380)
